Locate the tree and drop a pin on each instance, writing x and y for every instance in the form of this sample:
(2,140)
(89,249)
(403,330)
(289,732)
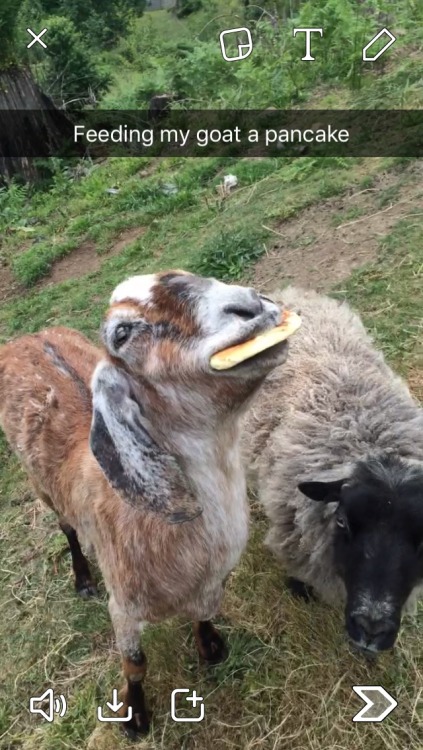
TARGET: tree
(72,74)
(100,21)
(186,7)
(68,69)
(29,120)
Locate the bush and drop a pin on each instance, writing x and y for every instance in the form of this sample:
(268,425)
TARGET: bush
(71,72)
(186,7)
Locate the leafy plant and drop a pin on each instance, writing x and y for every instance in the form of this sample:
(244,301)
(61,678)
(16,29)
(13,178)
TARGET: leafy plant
(13,201)
(229,254)
(72,71)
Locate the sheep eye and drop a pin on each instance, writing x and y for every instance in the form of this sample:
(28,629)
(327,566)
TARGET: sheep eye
(122,334)
(341,522)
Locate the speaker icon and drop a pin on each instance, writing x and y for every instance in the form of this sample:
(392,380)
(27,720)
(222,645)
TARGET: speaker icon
(50,704)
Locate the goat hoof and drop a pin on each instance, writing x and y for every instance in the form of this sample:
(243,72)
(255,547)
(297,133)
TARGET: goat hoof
(138,725)
(300,590)
(214,649)
(86,589)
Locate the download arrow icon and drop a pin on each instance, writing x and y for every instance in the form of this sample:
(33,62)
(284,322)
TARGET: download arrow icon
(114,706)
(379,703)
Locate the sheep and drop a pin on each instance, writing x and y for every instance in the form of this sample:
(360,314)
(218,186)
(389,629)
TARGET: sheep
(137,449)
(334,442)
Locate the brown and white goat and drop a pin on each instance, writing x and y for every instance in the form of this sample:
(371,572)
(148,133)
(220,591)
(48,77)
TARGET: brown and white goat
(137,449)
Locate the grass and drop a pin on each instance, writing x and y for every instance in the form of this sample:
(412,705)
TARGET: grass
(389,293)
(183,226)
(288,680)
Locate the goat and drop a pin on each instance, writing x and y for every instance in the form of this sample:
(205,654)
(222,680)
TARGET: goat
(137,449)
(159,106)
(335,443)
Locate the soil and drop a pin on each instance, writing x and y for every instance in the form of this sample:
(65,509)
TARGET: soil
(86,260)
(316,248)
(9,287)
(312,251)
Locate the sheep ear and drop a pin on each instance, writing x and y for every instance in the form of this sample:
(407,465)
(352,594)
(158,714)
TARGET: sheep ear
(325,486)
(136,467)
(323,492)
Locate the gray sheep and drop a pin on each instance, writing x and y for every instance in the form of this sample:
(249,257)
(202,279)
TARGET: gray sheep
(335,443)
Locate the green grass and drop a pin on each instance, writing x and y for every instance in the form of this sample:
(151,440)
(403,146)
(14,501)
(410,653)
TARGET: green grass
(188,228)
(389,293)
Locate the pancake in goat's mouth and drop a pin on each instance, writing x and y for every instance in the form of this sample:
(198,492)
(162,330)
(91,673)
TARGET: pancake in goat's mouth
(251,349)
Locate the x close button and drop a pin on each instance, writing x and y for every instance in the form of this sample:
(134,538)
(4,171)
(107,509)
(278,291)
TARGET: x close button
(37,38)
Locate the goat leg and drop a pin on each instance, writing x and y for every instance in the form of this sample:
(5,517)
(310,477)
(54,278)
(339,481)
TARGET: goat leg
(84,583)
(134,663)
(300,590)
(210,644)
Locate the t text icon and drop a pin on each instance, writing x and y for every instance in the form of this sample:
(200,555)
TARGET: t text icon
(243,40)
(379,703)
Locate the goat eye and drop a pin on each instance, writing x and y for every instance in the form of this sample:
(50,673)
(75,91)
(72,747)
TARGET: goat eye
(341,522)
(122,334)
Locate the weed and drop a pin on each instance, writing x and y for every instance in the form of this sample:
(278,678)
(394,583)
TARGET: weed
(229,254)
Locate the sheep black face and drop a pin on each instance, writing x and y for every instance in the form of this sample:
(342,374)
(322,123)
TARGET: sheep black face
(378,544)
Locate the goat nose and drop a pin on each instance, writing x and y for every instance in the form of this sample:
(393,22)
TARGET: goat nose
(255,302)
(376,632)
(247,306)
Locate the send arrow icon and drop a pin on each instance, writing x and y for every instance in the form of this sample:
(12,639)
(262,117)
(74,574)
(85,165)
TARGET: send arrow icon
(114,706)
(379,703)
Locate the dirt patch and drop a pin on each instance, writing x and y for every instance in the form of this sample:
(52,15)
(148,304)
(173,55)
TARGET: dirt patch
(150,168)
(9,286)
(318,249)
(86,260)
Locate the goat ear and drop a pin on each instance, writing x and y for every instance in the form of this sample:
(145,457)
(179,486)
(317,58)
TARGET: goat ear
(136,467)
(323,492)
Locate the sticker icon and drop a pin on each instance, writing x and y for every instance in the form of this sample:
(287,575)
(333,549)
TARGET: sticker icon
(194,699)
(384,32)
(114,706)
(50,704)
(379,703)
(245,48)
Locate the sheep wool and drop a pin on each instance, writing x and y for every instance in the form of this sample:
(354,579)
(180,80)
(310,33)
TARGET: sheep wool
(335,401)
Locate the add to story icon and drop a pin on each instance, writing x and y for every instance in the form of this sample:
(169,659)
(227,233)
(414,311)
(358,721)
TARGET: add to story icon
(114,706)
(194,699)
(245,48)
(37,38)
(379,703)
(391,40)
